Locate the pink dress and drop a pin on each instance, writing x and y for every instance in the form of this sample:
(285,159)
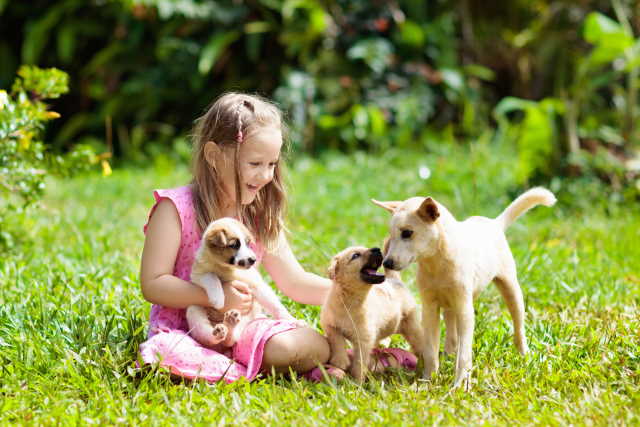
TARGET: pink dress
(170,345)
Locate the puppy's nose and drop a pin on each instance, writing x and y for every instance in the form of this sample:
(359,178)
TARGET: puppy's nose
(241,263)
(388,263)
(375,251)
(251,261)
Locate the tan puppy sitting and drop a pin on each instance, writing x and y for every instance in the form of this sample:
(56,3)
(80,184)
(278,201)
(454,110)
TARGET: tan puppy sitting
(225,255)
(364,307)
(456,260)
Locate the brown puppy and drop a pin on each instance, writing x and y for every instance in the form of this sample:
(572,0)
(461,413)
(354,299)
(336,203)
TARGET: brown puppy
(225,255)
(364,307)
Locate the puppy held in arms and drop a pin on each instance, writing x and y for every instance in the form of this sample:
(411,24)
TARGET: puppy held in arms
(225,255)
(456,260)
(364,307)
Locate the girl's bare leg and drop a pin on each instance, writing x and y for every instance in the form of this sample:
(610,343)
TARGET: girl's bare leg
(300,349)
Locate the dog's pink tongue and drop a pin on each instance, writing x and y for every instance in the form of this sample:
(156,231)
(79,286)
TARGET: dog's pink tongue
(371,272)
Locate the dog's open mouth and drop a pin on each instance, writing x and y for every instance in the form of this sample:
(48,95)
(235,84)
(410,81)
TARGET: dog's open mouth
(369,273)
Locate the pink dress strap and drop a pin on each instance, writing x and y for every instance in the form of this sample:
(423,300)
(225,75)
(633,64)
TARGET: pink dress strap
(169,342)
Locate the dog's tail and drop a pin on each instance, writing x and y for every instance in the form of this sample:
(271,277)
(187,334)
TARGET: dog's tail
(529,199)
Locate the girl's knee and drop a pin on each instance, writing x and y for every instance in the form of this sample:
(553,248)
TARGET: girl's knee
(301,349)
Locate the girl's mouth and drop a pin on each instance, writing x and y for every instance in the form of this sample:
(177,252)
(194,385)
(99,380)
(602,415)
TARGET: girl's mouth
(252,188)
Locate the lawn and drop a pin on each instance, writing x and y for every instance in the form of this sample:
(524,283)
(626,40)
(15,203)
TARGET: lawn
(72,315)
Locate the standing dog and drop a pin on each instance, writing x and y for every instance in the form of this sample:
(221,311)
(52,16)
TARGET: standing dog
(456,260)
(224,255)
(364,307)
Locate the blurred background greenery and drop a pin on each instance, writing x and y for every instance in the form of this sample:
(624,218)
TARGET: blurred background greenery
(556,79)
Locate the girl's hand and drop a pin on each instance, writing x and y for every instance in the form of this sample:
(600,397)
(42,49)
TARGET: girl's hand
(237,295)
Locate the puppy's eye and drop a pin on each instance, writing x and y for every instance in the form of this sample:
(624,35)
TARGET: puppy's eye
(406,234)
(235,244)
(354,256)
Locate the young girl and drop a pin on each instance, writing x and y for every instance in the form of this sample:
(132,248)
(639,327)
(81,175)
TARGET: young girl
(236,173)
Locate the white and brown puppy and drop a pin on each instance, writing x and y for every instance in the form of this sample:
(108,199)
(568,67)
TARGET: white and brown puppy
(364,307)
(456,260)
(225,255)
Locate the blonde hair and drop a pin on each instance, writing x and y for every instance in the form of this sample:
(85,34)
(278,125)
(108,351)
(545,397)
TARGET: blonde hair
(228,121)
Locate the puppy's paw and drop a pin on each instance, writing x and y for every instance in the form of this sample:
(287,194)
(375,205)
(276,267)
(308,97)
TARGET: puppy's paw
(232,317)
(341,361)
(219,332)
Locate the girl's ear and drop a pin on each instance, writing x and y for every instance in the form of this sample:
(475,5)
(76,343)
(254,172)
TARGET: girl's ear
(211,152)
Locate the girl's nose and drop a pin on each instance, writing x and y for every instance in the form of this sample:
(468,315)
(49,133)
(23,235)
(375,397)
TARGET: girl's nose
(266,174)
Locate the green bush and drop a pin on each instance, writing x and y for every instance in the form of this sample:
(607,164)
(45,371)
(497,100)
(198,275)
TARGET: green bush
(25,162)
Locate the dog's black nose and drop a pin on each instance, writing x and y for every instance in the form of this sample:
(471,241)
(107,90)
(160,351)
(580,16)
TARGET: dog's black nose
(241,263)
(251,261)
(375,251)
(388,263)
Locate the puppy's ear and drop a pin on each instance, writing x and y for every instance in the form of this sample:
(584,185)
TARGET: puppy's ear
(428,210)
(217,238)
(333,269)
(389,206)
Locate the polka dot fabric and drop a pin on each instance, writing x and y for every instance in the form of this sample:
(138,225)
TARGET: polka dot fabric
(170,345)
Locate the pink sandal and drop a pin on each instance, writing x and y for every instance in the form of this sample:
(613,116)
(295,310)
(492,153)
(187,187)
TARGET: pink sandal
(406,359)
(321,374)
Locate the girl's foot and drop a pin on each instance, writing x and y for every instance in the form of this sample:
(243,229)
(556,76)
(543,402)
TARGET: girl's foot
(320,374)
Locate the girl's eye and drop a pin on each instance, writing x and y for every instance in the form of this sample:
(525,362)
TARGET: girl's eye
(406,234)
(354,256)
(254,164)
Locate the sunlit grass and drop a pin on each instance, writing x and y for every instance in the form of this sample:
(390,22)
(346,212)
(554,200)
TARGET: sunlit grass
(72,315)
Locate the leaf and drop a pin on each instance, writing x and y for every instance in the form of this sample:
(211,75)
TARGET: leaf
(214,48)
(375,52)
(37,35)
(412,34)
(66,42)
(510,104)
(611,40)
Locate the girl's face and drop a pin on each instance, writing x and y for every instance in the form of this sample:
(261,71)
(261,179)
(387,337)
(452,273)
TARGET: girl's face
(257,159)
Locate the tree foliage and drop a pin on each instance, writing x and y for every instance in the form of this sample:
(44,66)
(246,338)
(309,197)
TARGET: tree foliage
(352,74)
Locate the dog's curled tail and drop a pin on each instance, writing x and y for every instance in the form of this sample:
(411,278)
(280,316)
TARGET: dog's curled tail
(524,202)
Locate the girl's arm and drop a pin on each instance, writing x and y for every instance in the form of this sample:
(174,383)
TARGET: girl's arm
(159,285)
(293,281)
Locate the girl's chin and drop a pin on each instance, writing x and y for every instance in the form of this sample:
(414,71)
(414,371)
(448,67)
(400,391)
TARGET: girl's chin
(248,198)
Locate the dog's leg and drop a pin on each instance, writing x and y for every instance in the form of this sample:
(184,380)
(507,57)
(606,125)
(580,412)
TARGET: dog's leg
(361,356)
(510,289)
(431,330)
(413,333)
(465,319)
(338,345)
(200,327)
(451,341)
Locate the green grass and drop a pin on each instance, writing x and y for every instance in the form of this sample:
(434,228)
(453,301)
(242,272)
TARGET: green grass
(72,315)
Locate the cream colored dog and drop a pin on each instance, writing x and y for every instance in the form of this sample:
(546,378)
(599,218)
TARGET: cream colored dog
(224,255)
(456,260)
(364,307)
